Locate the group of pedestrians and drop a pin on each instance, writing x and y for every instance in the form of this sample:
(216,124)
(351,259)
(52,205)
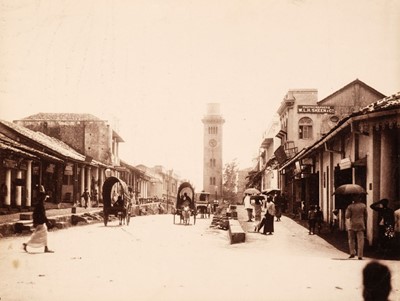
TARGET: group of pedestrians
(256,203)
(388,226)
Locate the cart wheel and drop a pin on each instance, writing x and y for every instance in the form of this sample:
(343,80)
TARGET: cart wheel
(105,219)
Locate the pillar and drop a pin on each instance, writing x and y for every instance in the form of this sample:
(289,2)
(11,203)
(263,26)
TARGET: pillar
(101,181)
(82,179)
(18,190)
(28,184)
(7,200)
(388,162)
(89,178)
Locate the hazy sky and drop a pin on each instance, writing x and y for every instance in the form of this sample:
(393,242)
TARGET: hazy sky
(154,65)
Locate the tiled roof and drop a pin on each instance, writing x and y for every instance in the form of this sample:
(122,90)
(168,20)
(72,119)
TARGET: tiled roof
(386,103)
(63,117)
(7,147)
(14,146)
(49,142)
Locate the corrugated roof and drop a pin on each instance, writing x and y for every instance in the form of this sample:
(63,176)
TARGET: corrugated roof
(63,117)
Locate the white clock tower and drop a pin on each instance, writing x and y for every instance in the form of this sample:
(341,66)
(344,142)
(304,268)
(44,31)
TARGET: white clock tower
(212,164)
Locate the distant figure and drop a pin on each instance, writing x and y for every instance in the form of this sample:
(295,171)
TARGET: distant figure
(335,220)
(376,281)
(319,218)
(186,198)
(86,198)
(385,222)
(120,202)
(357,215)
(311,220)
(186,213)
(397,229)
(39,236)
(268,220)
(248,207)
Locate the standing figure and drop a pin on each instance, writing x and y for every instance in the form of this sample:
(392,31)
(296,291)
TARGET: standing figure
(248,207)
(357,215)
(397,229)
(385,222)
(257,208)
(311,220)
(268,221)
(39,236)
(319,218)
(335,220)
(86,197)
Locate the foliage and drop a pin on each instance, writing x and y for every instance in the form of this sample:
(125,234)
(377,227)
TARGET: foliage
(230,178)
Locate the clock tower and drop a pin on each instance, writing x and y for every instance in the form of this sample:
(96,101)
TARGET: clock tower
(212,158)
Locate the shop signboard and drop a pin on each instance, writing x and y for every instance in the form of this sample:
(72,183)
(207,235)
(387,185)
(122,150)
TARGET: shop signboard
(314,109)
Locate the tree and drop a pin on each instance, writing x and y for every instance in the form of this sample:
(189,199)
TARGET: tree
(230,178)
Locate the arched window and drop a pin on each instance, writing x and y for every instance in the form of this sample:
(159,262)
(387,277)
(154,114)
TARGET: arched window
(305,128)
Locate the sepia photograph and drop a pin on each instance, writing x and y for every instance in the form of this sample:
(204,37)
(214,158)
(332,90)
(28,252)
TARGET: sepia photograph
(172,150)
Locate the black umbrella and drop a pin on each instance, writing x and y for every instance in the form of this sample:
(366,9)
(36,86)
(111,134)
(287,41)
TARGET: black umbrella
(349,189)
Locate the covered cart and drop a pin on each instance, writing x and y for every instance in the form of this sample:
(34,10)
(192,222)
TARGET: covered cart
(185,206)
(203,206)
(116,200)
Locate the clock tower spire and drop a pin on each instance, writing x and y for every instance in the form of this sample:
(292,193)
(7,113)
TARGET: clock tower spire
(212,149)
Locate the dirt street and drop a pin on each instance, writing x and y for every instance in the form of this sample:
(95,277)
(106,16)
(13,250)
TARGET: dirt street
(153,259)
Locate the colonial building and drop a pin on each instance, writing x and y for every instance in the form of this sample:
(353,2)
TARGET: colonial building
(30,159)
(363,148)
(87,135)
(212,150)
(303,122)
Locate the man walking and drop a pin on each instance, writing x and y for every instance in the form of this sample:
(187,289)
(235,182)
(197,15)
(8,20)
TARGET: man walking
(357,215)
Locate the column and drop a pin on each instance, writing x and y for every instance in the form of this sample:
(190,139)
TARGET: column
(82,179)
(28,184)
(18,190)
(89,182)
(7,200)
(89,178)
(388,160)
(101,181)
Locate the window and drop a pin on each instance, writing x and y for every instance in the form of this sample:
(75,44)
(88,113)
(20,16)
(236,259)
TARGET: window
(213,130)
(212,163)
(212,180)
(305,128)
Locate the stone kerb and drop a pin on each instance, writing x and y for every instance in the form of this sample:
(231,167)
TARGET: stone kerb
(236,232)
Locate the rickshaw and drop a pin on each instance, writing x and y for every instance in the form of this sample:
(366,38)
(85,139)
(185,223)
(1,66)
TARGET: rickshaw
(114,187)
(185,204)
(203,206)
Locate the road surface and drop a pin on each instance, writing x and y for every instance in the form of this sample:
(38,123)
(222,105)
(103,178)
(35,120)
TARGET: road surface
(153,259)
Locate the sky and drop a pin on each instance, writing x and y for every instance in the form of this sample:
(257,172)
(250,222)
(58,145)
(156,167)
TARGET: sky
(150,67)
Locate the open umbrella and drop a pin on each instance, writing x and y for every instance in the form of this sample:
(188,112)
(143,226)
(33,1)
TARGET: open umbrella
(252,191)
(349,189)
(271,190)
